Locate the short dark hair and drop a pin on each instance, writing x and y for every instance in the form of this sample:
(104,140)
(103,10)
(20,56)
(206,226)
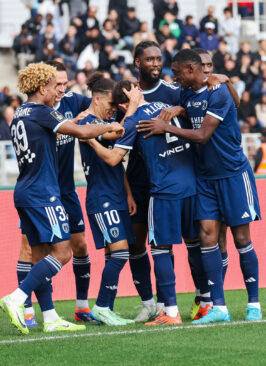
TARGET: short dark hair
(140,47)
(119,97)
(97,83)
(186,56)
(58,65)
(201,51)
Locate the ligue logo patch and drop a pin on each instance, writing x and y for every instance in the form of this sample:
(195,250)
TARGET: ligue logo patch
(204,105)
(114,232)
(58,116)
(65,227)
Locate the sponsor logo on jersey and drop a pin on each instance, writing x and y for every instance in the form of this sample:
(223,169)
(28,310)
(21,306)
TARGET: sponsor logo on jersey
(106,204)
(52,199)
(65,227)
(68,114)
(58,116)
(114,232)
(175,150)
(196,104)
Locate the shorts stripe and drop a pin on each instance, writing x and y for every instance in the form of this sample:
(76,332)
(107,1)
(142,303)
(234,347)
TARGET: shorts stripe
(100,222)
(248,188)
(150,214)
(51,216)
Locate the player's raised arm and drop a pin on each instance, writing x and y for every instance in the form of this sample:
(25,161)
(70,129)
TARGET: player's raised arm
(216,79)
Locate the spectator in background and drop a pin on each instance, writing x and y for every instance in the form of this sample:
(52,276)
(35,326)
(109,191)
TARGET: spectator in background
(163,33)
(109,32)
(80,85)
(161,7)
(4,95)
(190,32)
(91,36)
(260,157)
(259,87)
(32,5)
(175,25)
(25,45)
(68,47)
(47,35)
(262,49)
(109,57)
(238,84)
(128,27)
(246,112)
(120,6)
(208,39)
(220,57)
(123,72)
(229,30)
(90,53)
(230,68)
(245,72)
(87,21)
(209,18)
(168,51)
(261,110)
(35,24)
(5,122)
(245,49)
(47,52)
(114,17)
(143,34)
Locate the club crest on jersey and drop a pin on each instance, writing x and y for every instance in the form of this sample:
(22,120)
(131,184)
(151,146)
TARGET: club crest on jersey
(65,227)
(114,232)
(204,105)
(58,116)
(69,115)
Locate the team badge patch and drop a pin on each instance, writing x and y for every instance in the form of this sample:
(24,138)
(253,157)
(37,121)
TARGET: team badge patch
(58,116)
(114,232)
(65,227)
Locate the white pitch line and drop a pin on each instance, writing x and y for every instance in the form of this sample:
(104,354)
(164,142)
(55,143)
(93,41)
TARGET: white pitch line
(136,331)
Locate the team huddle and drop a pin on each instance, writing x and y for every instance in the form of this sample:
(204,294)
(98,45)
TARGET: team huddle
(187,178)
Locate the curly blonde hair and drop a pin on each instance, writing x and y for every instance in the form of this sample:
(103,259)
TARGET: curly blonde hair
(33,76)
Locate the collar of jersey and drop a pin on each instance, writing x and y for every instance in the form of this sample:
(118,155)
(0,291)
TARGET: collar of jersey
(153,89)
(57,106)
(201,90)
(141,105)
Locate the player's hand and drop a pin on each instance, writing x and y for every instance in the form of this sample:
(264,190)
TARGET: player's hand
(132,207)
(117,128)
(215,79)
(154,126)
(169,113)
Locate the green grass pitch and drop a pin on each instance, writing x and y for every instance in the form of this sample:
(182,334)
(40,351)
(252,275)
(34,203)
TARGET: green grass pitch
(235,343)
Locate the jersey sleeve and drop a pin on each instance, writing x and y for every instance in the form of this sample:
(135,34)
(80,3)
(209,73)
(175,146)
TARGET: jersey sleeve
(50,118)
(130,135)
(219,103)
(83,102)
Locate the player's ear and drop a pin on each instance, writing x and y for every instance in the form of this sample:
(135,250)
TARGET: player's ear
(137,62)
(123,107)
(42,89)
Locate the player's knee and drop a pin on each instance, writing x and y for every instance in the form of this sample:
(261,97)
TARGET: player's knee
(208,237)
(79,246)
(241,239)
(137,248)
(62,252)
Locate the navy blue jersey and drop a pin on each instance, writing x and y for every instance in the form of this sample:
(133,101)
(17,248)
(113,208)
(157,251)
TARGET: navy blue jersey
(70,106)
(222,156)
(105,184)
(136,172)
(168,159)
(33,132)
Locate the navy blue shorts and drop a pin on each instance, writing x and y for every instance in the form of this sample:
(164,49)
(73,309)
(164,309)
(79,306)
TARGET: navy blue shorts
(44,224)
(232,200)
(72,206)
(111,226)
(170,220)
(141,216)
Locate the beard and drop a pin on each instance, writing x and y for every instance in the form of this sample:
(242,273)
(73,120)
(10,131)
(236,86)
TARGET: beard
(146,76)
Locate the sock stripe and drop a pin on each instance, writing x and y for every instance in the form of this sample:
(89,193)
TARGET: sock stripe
(120,254)
(155,251)
(209,249)
(138,256)
(24,268)
(54,262)
(225,262)
(80,261)
(193,245)
(107,257)
(246,249)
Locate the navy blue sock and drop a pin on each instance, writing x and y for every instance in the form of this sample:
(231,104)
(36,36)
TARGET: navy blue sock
(114,292)
(40,273)
(23,268)
(141,273)
(82,270)
(172,256)
(44,296)
(165,276)
(196,266)
(110,277)
(225,263)
(250,270)
(212,264)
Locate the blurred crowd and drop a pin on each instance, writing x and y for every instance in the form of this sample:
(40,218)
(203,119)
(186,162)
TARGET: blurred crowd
(88,46)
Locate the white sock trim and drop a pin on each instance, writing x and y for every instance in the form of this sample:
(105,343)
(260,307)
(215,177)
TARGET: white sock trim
(171,311)
(50,316)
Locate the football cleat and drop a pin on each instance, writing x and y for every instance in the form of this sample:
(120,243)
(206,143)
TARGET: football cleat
(194,309)
(30,320)
(214,315)
(61,325)
(166,320)
(127,321)
(147,312)
(15,312)
(202,312)
(108,317)
(253,313)
(84,315)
